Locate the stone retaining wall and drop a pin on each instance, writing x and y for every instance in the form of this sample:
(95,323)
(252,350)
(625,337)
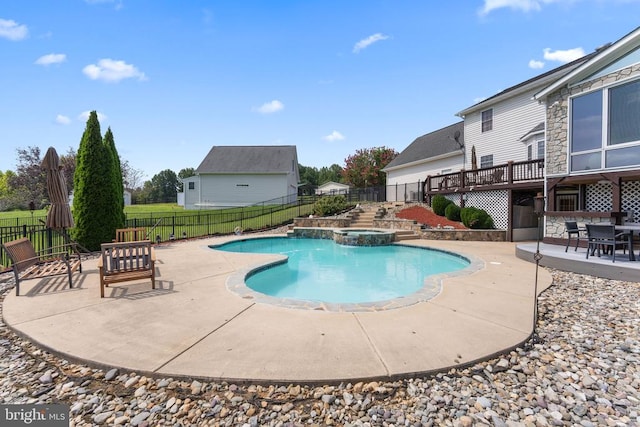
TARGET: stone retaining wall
(466,235)
(402,224)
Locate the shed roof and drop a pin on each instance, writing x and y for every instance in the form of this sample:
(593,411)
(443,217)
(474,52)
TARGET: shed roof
(436,143)
(250,159)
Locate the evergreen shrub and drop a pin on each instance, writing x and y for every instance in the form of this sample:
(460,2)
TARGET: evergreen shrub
(452,212)
(329,205)
(439,203)
(476,218)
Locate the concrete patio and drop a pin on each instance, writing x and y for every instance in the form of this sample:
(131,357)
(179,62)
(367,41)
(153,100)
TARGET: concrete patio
(191,325)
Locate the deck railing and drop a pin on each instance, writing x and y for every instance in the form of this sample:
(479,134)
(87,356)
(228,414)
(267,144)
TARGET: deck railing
(505,174)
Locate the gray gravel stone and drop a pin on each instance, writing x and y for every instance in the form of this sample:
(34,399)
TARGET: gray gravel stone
(581,369)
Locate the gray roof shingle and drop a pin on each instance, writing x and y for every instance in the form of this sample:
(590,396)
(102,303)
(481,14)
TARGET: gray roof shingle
(433,144)
(250,159)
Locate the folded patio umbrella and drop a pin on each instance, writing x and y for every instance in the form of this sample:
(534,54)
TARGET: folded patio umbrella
(59,215)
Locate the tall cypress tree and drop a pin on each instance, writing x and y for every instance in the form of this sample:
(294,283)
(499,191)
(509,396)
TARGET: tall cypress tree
(118,185)
(93,189)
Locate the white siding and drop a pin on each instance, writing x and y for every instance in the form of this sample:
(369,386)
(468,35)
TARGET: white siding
(419,172)
(191,197)
(241,190)
(512,119)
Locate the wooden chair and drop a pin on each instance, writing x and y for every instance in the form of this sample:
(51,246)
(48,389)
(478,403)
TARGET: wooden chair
(604,236)
(126,261)
(29,264)
(573,230)
(130,234)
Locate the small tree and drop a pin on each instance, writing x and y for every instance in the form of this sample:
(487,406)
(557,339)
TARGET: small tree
(29,182)
(365,167)
(93,211)
(117,183)
(164,186)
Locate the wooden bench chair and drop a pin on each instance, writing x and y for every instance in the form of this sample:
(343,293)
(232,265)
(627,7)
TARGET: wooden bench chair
(130,234)
(126,261)
(54,261)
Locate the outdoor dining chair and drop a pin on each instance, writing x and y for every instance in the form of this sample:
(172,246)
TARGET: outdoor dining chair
(573,230)
(603,237)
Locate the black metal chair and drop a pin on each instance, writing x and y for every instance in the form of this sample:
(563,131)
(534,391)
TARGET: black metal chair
(604,236)
(573,230)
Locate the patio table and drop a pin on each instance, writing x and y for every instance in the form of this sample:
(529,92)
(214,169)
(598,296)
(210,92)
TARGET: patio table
(630,228)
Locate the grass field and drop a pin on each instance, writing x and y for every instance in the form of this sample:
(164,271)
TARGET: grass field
(167,219)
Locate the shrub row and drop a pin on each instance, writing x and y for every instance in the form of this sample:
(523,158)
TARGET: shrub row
(471,217)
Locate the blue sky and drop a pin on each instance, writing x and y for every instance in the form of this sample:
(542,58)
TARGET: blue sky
(174,78)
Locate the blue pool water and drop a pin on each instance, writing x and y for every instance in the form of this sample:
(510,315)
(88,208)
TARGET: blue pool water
(321,270)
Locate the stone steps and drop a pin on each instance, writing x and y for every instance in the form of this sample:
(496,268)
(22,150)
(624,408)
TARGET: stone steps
(406,235)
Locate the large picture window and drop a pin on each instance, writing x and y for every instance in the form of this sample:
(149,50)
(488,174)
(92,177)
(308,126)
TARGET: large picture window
(605,128)
(624,113)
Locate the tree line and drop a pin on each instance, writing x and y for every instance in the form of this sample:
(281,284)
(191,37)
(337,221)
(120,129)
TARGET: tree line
(25,188)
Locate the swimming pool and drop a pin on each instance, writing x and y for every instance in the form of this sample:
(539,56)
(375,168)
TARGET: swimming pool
(321,270)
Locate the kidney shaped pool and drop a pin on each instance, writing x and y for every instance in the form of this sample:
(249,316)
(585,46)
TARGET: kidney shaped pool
(321,270)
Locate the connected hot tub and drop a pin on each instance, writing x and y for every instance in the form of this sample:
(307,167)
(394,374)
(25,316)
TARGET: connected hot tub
(347,236)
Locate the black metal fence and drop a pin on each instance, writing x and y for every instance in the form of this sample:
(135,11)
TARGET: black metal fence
(189,224)
(163,227)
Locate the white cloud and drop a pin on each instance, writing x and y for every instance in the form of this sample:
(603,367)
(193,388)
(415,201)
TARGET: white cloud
(523,5)
(62,120)
(334,136)
(269,107)
(563,55)
(52,58)
(111,70)
(12,30)
(536,64)
(364,43)
(84,116)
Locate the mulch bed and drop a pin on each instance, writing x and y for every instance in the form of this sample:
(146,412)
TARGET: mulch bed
(427,217)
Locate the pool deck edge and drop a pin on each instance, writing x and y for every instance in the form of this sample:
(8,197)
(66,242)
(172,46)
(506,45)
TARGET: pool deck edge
(192,326)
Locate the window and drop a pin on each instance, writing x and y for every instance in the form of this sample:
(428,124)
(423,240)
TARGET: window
(605,128)
(192,185)
(568,198)
(540,143)
(487,120)
(486,161)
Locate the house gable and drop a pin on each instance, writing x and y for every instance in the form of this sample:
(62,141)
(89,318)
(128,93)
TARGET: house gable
(438,144)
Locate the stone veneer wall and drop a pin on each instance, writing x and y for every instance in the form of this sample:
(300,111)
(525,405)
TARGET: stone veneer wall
(554,225)
(322,222)
(315,229)
(466,235)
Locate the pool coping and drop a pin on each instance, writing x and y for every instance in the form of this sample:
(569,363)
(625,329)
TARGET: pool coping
(191,326)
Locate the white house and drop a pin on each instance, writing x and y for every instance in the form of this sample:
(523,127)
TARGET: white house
(231,176)
(505,136)
(331,187)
